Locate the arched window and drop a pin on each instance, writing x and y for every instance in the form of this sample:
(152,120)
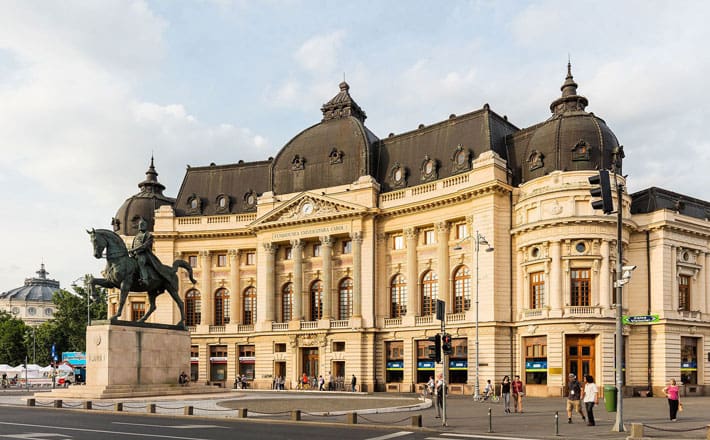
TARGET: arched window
(221,307)
(316,300)
(430,292)
(398,296)
(193,308)
(287,302)
(249,306)
(345,299)
(462,289)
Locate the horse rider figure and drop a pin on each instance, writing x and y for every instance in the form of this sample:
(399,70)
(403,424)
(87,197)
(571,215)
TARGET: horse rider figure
(141,250)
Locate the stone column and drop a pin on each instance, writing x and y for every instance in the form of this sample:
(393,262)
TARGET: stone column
(442,238)
(706,270)
(297,299)
(412,273)
(674,279)
(327,254)
(604,277)
(207,317)
(555,279)
(182,290)
(270,280)
(522,297)
(356,238)
(235,294)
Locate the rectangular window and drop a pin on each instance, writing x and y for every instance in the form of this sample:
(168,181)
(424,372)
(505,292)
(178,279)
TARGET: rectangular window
(218,363)
(535,360)
(192,259)
(579,288)
(684,293)
(316,250)
(279,348)
(394,361)
(398,242)
(137,310)
(222,260)
(429,237)
(288,253)
(537,290)
(339,346)
(347,246)
(458,361)
(251,258)
(461,231)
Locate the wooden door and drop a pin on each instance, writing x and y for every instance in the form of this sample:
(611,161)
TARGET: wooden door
(579,354)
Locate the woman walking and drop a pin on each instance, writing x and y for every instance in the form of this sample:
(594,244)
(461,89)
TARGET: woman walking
(518,393)
(505,392)
(671,391)
(590,395)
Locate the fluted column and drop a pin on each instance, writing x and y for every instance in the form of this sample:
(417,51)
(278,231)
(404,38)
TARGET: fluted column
(206,288)
(442,238)
(356,238)
(327,253)
(412,272)
(297,299)
(267,302)
(604,277)
(181,289)
(555,278)
(674,279)
(235,293)
(704,303)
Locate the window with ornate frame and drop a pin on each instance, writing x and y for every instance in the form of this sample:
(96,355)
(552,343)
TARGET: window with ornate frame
(398,296)
(316,297)
(221,307)
(684,293)
(345,298)
(462,289)
(287,302)
(193,308)
(137,310)
(430,292)
(221,260)
(580,283)
(249,308)
(537,290)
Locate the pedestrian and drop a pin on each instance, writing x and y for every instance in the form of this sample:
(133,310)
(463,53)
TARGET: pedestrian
(440,390)
(671,391)
(518,392)
(574,395)
(505,392)
(353,383)
(590,397)
(321,383)
(331,385)
(488,390)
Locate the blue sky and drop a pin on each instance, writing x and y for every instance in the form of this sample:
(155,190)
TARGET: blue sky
(89,90)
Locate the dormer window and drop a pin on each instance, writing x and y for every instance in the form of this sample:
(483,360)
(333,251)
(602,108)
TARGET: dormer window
(223,203)
(535,160)
(460,159)
(398,175)
(580,152)
(194,205)
(429,169)
(250,200)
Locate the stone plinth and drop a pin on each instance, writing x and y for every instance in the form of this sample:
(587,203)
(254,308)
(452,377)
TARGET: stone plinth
(129,360)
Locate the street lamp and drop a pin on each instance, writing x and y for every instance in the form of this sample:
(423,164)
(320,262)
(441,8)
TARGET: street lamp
(480,239)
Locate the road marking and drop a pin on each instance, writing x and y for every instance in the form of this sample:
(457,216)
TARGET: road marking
(102,431)
(393,435)
(34,435)
(175,427)
(481,436)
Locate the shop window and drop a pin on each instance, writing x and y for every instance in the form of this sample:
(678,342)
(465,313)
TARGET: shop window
(137,310)
(194,362)
(430,292)
(247,358)
(537,290)
(218,363)
(689,360)
(425,366)
(683,293)
(398,296)
(536,360)
(579,289)
(394,361)
(462,289)
(458,361)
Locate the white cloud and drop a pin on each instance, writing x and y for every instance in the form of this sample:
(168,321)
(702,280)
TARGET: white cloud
(321,52)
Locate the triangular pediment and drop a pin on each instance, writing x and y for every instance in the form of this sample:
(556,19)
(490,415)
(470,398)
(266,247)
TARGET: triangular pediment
(308,207)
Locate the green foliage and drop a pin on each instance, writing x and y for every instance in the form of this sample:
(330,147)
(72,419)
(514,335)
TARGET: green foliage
(12,345)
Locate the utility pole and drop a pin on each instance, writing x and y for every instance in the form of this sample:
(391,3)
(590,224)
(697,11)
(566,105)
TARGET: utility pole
(619,423)
(441,315)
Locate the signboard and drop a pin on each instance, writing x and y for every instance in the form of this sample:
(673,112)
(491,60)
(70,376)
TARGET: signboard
(75,358)
(640,319)
(458,365)
(395,365)
(425,365)
(689,366)
(536,366)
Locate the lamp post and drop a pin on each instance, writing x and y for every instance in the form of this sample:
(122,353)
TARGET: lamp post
(480,239)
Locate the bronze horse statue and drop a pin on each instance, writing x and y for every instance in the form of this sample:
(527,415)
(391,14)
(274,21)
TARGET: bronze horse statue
(122,273)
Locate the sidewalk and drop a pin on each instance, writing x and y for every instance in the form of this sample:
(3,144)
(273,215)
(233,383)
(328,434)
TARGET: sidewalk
(464,416)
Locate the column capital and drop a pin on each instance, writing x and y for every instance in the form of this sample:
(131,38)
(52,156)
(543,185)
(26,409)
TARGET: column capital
(296,243)
(469,220)
(233,252)
(178,255)
(442,226)
(326,240)
(356,236)
(270,247)
(381,236)
(410,233)
(204,253)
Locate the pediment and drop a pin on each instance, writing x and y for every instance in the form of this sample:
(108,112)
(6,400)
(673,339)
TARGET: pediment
(307,207)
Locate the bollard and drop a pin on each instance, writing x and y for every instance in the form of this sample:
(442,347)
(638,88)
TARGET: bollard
(87,404)
(118,406)
(242,413)
(189,409)
(490,421)
(417,421)
(296,415)
(58,403)
(31,402)
(636,431)
(557,423)
(351,419)
(150,408)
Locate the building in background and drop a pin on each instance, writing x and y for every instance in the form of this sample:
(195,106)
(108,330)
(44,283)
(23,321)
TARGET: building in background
(32,302)
(329,257)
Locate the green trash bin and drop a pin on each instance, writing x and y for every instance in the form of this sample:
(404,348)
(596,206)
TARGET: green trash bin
(610,398)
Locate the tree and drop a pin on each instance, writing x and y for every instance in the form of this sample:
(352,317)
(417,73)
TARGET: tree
(12,342)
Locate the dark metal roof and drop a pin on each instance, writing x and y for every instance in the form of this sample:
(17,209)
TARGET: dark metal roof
(655,199)
(35,289)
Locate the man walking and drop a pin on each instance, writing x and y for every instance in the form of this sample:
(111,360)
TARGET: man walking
(440,390)
(353,383)
(574,394)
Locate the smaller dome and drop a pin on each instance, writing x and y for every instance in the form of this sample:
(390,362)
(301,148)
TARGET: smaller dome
(141,205)
(35,289)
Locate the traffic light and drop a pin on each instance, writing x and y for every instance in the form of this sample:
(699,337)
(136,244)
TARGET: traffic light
(435,349)
(603,190)
(446,343)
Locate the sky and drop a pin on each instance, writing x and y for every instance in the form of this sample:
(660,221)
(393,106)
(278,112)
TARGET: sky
(90,90)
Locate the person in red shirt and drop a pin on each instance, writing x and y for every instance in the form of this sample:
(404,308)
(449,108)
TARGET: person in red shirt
(518,393)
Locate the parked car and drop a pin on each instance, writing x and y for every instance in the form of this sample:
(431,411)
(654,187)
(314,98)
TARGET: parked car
(66,378)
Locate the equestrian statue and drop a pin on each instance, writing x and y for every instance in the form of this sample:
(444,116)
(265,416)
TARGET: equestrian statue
(137,269)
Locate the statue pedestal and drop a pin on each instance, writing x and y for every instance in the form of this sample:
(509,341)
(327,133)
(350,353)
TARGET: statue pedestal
(132,360)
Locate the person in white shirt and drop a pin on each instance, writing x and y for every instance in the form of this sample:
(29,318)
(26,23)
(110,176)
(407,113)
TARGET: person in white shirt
(590,396)
(488,390)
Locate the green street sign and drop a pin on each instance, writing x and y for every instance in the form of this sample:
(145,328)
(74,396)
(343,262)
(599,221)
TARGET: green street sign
(640,319)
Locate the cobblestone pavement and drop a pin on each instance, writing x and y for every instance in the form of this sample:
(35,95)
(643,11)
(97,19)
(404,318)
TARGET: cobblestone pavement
(464,416)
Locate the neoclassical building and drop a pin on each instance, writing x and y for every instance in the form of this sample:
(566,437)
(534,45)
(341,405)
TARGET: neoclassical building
(32,302)
(330,257)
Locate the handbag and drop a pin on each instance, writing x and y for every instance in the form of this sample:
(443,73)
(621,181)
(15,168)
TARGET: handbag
(680,407)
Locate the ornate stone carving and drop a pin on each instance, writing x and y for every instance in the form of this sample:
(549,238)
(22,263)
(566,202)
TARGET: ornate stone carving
(298,163)
(532,328)
(312,340)
(442,227)
(335,156)
(460,160)
(429,170)
(356,236)
(584,326)
(535,160)
(410,233)
(270,247)
(326,240)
